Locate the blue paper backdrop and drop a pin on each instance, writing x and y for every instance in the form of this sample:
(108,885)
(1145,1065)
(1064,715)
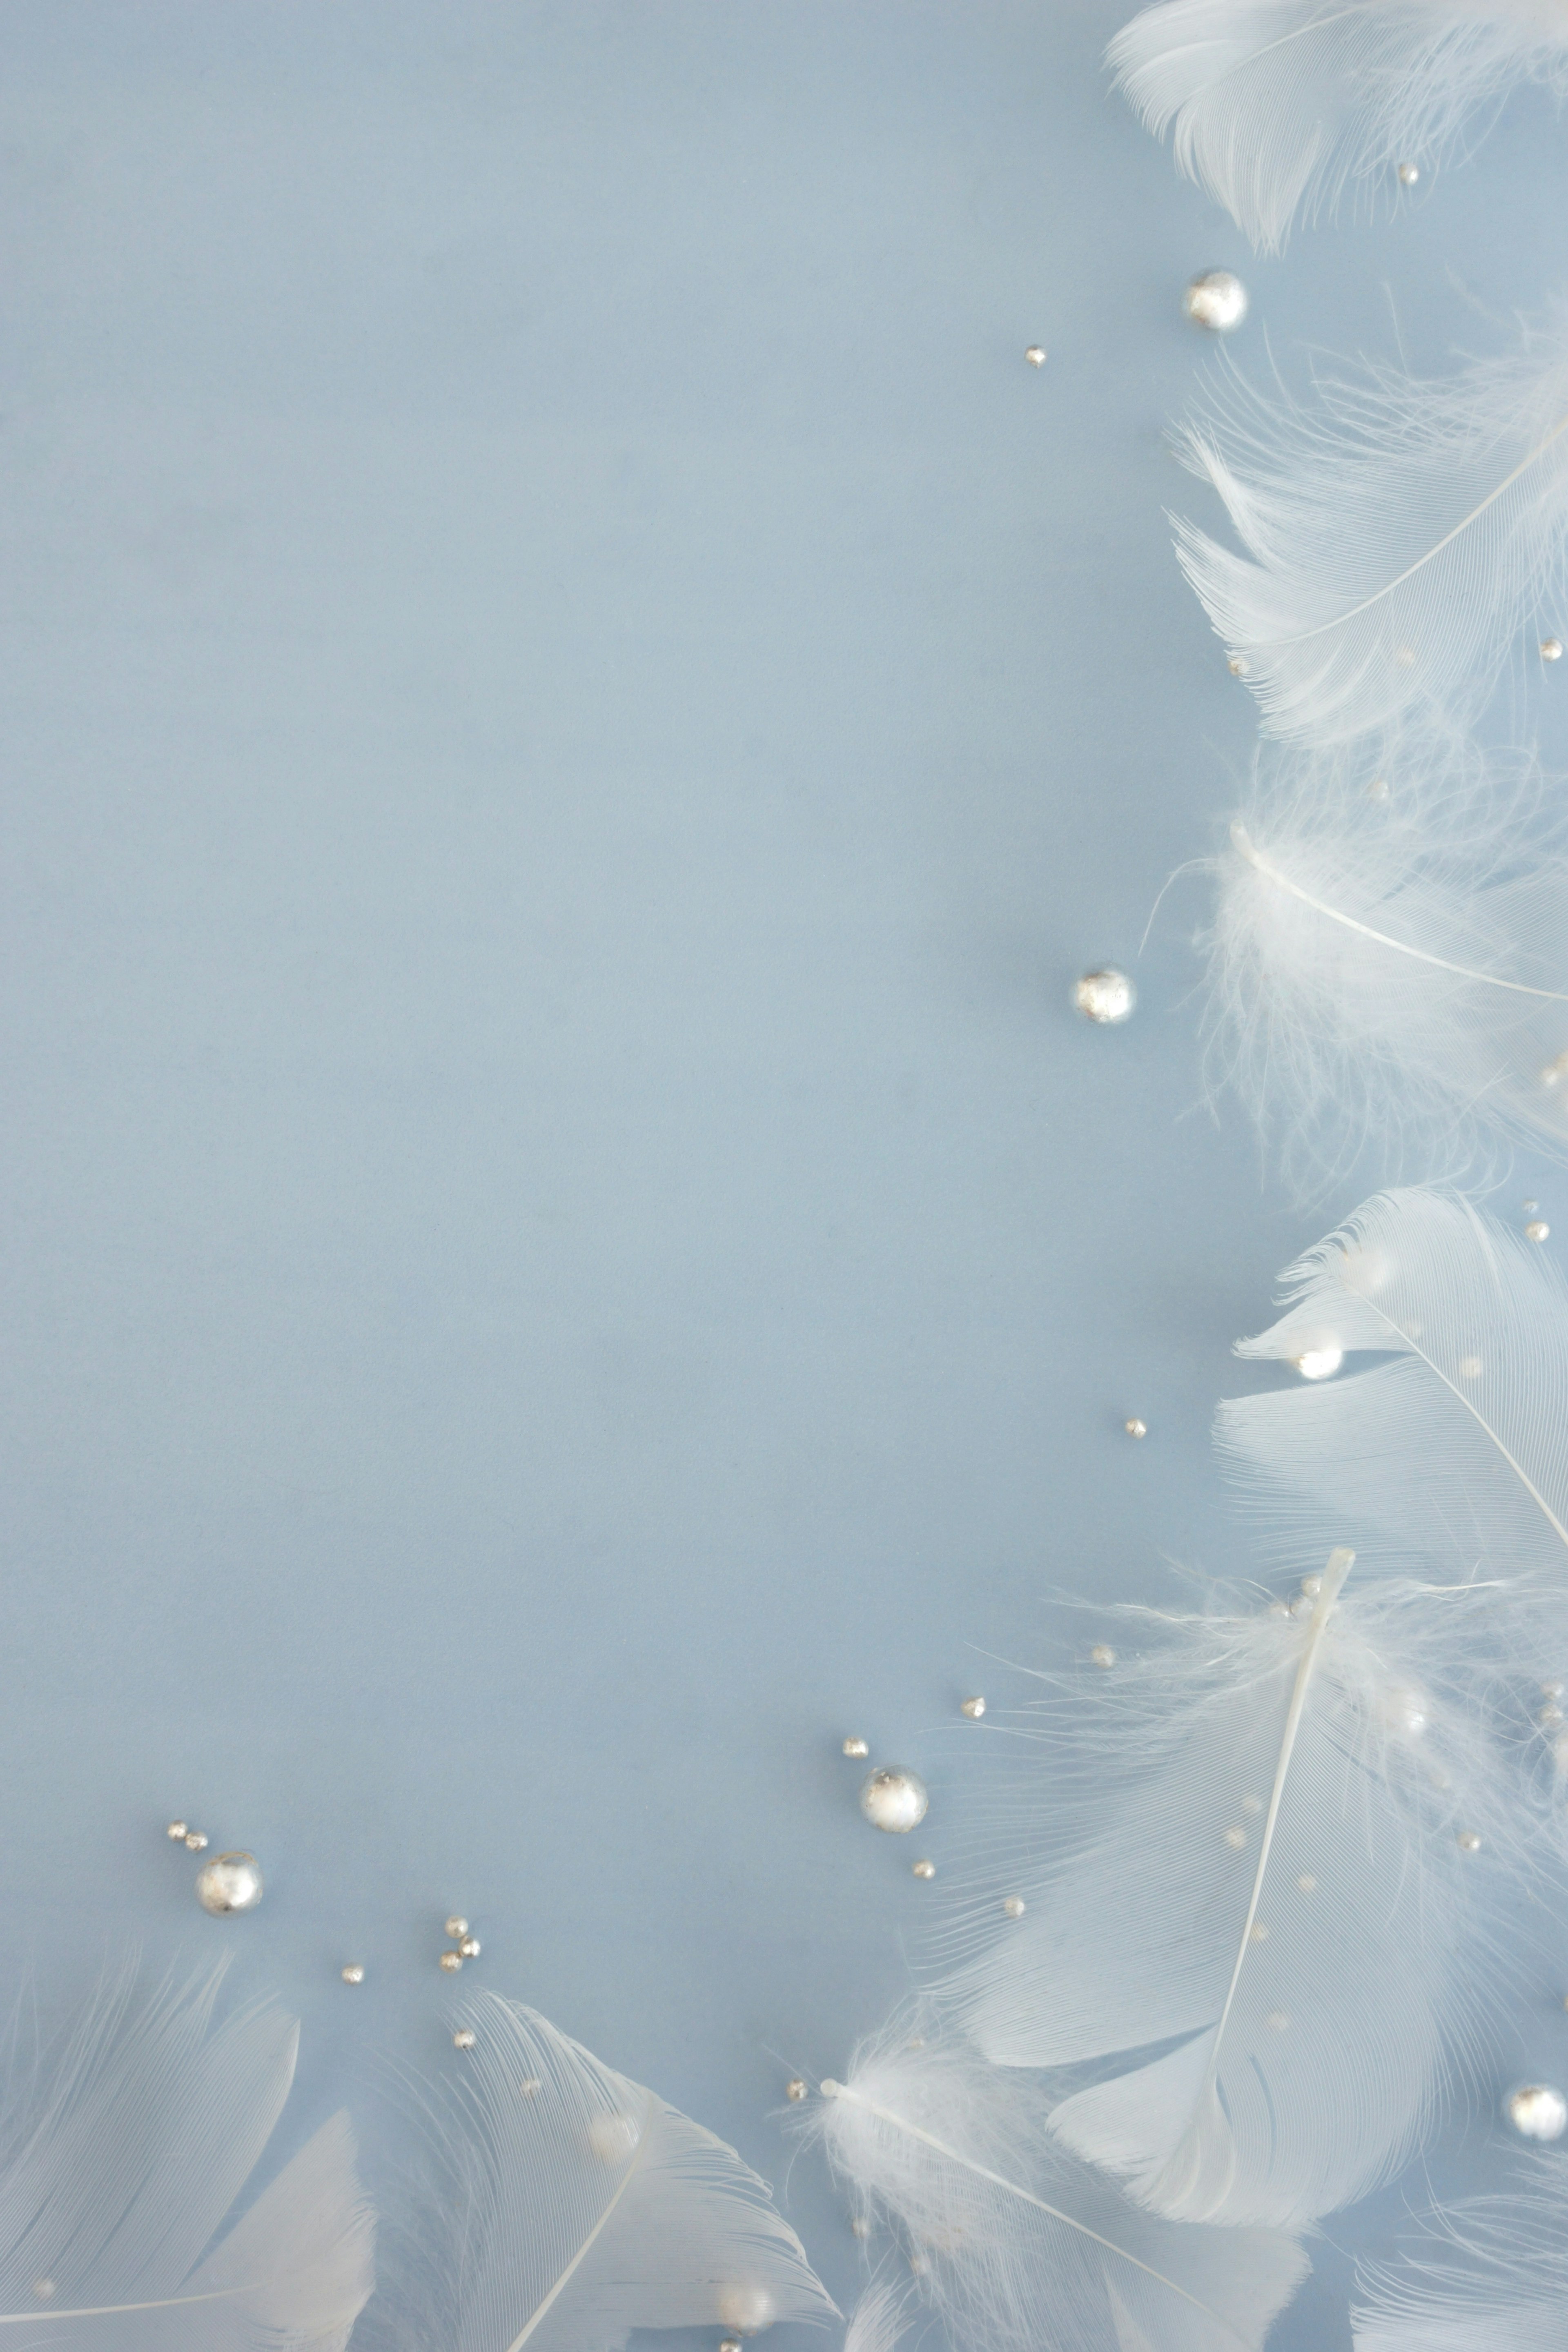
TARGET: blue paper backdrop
(571,710)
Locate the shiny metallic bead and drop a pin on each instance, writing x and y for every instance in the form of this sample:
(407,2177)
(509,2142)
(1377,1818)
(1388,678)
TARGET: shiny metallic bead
(1014,1905)
(468,1950)
(747,2308)
(1536,2111)
(729,2343)
(1313,1587)
(1406,1708)
(354,1973)
(530,2087)
(1408,174)
(1538,1229)
(179,1829)
(1135,1428)
(1470,1368)
(1217,299)
(858,2228)
(794,2089)
(856,1748)
(464,2038)
(973,1708)
(1555,1072)
(1468,1842)
(1035,355)
(1549,1715)
(893,1797)
(195,1841)
(1102,1655)
(923,1869)
(1104,996)
(456,1926)
(1238,666)
(230,1882)
(1550,648)
(1554,1690)
(451,1962)
(614,2137)
(1319,1363)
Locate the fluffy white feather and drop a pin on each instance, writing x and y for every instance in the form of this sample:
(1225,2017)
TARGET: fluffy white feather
(1398,533)
(1269,1841)
(1279,106)
(584,2207)
(1018,2244)
(877,2321)
(1388,961)
(122,2159)
(1450,1460)
(1492,2276)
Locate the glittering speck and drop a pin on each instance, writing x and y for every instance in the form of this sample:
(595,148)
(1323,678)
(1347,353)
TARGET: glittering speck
(1550,648)
(1469,1842)
(1319,1363)
(1235,1837)
(1102,1655)
(923,1869)
(456,1927)
(196,1841)
(893,1797)
(1378,789)
(794,2089)
(1306,1883)
(1035,355)
(1217,299)
(451,1962)
(1014,1906)
(354,1972)
(1551,1715)
(468,1950)
(1408,174)
(178,1829)
(1136,1428)
(464,2038)
(230,1882)
(856,1748)
(1258,1933)
(729,2343)
(44,2290)
(858,2228)
(1104,996)
(1469,1368)
(973,1708)
(1537,2111)
(1279,2020)
(1555,1072)
(1311,1586)
(1538,1229)
(1239,665)
(613,2137)
(746,2308)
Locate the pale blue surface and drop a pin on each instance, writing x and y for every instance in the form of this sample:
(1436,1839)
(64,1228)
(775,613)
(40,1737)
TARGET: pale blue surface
(573,709)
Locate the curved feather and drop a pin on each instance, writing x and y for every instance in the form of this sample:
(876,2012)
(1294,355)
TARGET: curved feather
(585,2207)
(1388,962)
(1492,2271)
(1397,537)
(1014,2241)
(1277,106)
(121,2162)
(1263,1858)
(1449,1459)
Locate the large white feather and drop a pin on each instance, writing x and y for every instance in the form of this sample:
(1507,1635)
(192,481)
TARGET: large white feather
(1388,961)
(1450,1460)
(1018,2243)
(1397,535)
(120,2160)
(1492,2276)
(1279,106)
(1262,1840)
(584,2207)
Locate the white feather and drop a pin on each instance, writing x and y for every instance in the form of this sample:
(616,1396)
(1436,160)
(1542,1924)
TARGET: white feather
(1279,106)
(878,2319)
(122,2158)
(1018,2244)
(1397,536)
(1449,1459)
(1253,1842)
(584,2207)
(1492,2276)
(1388,962)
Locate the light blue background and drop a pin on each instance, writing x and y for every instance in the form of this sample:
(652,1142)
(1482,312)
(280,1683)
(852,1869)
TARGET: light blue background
(571,710)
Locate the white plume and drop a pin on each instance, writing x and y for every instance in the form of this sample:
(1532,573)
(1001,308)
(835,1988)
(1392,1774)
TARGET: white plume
(1397,537)
(878,2319)
(584,2207)
(1492,2276)
(1388,961)
(1279,106)
(1450,1460)
(1016,2242)
(1270,1840)
(121,2159)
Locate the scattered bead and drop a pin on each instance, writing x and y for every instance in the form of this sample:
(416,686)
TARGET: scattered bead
(1238,666)
(1279,1608)
(1408,174)
(1406,1708)
(973,1708)
(1258,1933)
(858,2228)
(1536,2111)
(893,1799)
(530,2087)
(1217,299)
(179,1829)
(1469,1368)
(1306,1883)
(919,2265)
(1136,1428)
(1378,789)
(456,1926)
(1469,1842)
(1014,1906)
(1035,355)
(613,2137)
(1279,2020)
(856,1748)
(1551,1690)
(1236,1838)
(1103,1655)
(1104,996)
(794,2089)
(468,1950)
(923,1869)
(1319,1363)
(354,1973)
(1312,1586)
(196,1841)
(451,1962)
(1550,648)
(464,2038)
(1555,1072)
(230,1882)
(1551,1715)
(45,2290)
(1538,1229)
(746,2308)
(729,2343)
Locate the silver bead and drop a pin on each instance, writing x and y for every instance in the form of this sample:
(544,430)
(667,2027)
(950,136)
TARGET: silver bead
(1312,1586)
(464,2038)
(230,1882)
(354,1973)
(614,2138)
(456,1926)
(923,1869)
(858,2228)
(1217,299)
(1406,1708)
(1555,1072)
(1014,1905)
(1235,1837)
(794,2089)
(1102,1655)
(1035,355)
(1468,1842)
(856,1748)
(1238,666)
(468,1950)
(1550,648)
(1319,1363)
(729,2343)
(1538,1229)
(45,2290)
(1536,2111)
(1408,174)
(1470,1368)
(451,1962)
(1135,1428)
(748,2309)
(893,1797)
(530,2087)
(1553,1690)
(195,1841)
(973,1708)
(1258,1933)
(1104,996)
(1378,789)
(179,1829)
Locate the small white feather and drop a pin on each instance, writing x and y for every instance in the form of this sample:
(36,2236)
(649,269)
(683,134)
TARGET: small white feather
(584,2207)
(1277,106)
(878,2319)
(1016,2244)
(1492,2276)
(1450,1460)
(1397,535)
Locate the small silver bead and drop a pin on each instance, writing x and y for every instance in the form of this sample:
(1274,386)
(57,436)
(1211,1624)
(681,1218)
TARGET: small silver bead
(456,1926)
(1378,789)
(856,1748)
(1104,996)
(1468,1842)
(354,1973)
(747,2308)
(464,2038)
(1555,1072)
(1408,174)
(530,2087)
(1014,1906)
(45,2290)
(1319,1363)
(1470,1368)
(1238,666)
(1306,1883)
(451,1962)
(1235,1837)
(1537,2111)
(1551,1690)
(1313,1587)
(794,2089)
(179,1829)
(613,2137)
(973,1708)
(894,1797)
(1258,1933)
(1549,1715)
(858,2226)
(1102,1655)
(729,2343)
(1279,1608)
(1538,1229)
(923,1869)
(468,1950)
(195,1841)
(1035,355)
(1134,1427)
(1550,648)
(1217,299)
(230,1882)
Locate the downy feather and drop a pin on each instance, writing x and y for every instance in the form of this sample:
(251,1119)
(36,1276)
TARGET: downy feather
(120,2161)
(1021,2247)
(1263,1841)
(1279,106)
(1491,2276)
(1388,961)
(1450,1460)
(1397,536)
(583,2206)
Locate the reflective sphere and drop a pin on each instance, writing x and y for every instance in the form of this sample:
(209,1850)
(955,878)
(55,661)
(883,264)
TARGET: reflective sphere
(1014,1906)
(456,1926)
(1536,2111)
(1538,1229)
(613,2137)
(354,1973)
(1319,1363)
(1217,299)
(1408,174)
(923,1869)
(178,1829)
(451,1962)
(1104,996)
(1035,355)
(464,2038)
(1136,1428)
(794,2089)
(856,1748)
(973,1708)
(1550,648)
(196,1841)
(468,1950)
(230,1882)
(893,1799)
(1103,1654)
(746,2308)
